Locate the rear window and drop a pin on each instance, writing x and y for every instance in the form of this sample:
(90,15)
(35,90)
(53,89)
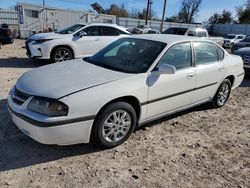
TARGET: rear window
(221,53)
(205,52)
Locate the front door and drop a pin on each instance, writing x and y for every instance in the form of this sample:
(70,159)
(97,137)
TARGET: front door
(168,92)
(89,44)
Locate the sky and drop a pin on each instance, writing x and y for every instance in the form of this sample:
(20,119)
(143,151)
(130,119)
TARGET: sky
(208,7)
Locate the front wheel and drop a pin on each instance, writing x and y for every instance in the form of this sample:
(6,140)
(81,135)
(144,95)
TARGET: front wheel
(222,94)
(114,125)
(61,54)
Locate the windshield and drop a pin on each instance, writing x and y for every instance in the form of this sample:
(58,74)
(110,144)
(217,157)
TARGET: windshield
(71,29)
(128,55)
(230,37)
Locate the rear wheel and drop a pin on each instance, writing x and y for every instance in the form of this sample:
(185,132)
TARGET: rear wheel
(114,125)
(61,54)
(222,94)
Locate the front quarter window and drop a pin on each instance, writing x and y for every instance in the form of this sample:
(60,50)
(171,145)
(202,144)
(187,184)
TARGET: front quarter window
(128,55)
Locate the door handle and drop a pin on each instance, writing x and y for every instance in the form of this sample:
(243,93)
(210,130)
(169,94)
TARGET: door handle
(190,75)
(221,68)
(97,39)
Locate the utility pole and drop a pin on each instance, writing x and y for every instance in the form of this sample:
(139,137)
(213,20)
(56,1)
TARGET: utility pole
(43,2)
(146,20)
(163,15)
(150,9)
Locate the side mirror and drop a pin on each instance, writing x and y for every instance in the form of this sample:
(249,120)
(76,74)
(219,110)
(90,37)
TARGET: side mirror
(166,69)
(82,33)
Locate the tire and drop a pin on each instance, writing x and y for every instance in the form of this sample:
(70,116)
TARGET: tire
(61,54)
(108,133)
(222,94)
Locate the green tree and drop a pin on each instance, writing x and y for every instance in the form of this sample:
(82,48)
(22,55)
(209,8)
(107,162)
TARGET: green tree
(117,10)
(189,9)
(243,15)
(224,18)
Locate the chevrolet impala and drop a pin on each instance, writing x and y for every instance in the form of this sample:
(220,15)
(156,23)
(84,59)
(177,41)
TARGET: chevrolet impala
(134,80)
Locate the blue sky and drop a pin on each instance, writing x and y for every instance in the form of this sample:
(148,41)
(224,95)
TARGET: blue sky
(208,7)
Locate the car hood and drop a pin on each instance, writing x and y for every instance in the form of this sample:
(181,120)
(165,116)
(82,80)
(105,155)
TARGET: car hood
(60,79)
(51,35)
(243,51)
(228,40)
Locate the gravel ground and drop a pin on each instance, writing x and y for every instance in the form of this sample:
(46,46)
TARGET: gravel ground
(201,147)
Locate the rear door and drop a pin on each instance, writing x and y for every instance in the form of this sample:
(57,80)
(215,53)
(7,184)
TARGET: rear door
(109,35)
(209,69)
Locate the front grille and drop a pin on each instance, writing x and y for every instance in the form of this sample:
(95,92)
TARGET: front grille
(19,97)
(246,59)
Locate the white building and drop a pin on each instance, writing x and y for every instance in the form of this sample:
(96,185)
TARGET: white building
(40,18)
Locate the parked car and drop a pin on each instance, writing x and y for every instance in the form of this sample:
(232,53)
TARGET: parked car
(244,43)
(134,80)
(5,36)
(141,29)
(76,41)
(195,32)
(231,39)
(245,54)
(153,31)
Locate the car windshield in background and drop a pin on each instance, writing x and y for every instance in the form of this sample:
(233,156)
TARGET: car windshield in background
(128,55)
(71,29)
(230,37)
(175,31)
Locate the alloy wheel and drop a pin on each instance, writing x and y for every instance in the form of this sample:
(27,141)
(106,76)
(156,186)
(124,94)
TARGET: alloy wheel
(223,94)
(62,55)
(116,126)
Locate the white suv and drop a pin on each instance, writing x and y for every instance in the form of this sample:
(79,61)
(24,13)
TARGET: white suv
(76,41)
(231,39)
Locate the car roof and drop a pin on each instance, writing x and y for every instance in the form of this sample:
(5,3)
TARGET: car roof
(109,25)
(167,38)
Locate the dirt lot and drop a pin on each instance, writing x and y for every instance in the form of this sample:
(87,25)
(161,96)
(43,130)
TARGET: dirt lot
(201,147)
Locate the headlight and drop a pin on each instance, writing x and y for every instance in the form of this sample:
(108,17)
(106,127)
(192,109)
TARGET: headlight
(48,107)
(40,41)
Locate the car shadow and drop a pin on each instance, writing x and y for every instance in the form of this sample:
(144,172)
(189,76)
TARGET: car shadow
(203,107)
(17,150)
(13,62)
(246,81)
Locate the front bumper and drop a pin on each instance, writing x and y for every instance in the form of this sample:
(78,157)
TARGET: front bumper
(53,133)
(37,51)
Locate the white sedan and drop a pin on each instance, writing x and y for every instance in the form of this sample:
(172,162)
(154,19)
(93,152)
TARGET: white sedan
(76,41)
(136,79)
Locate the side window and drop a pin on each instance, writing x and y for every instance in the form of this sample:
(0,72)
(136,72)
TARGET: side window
(179,55)
(191,33)
(220,53)
(91,31)
(240,37)
(205,52)
(109,31)
(201,34)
